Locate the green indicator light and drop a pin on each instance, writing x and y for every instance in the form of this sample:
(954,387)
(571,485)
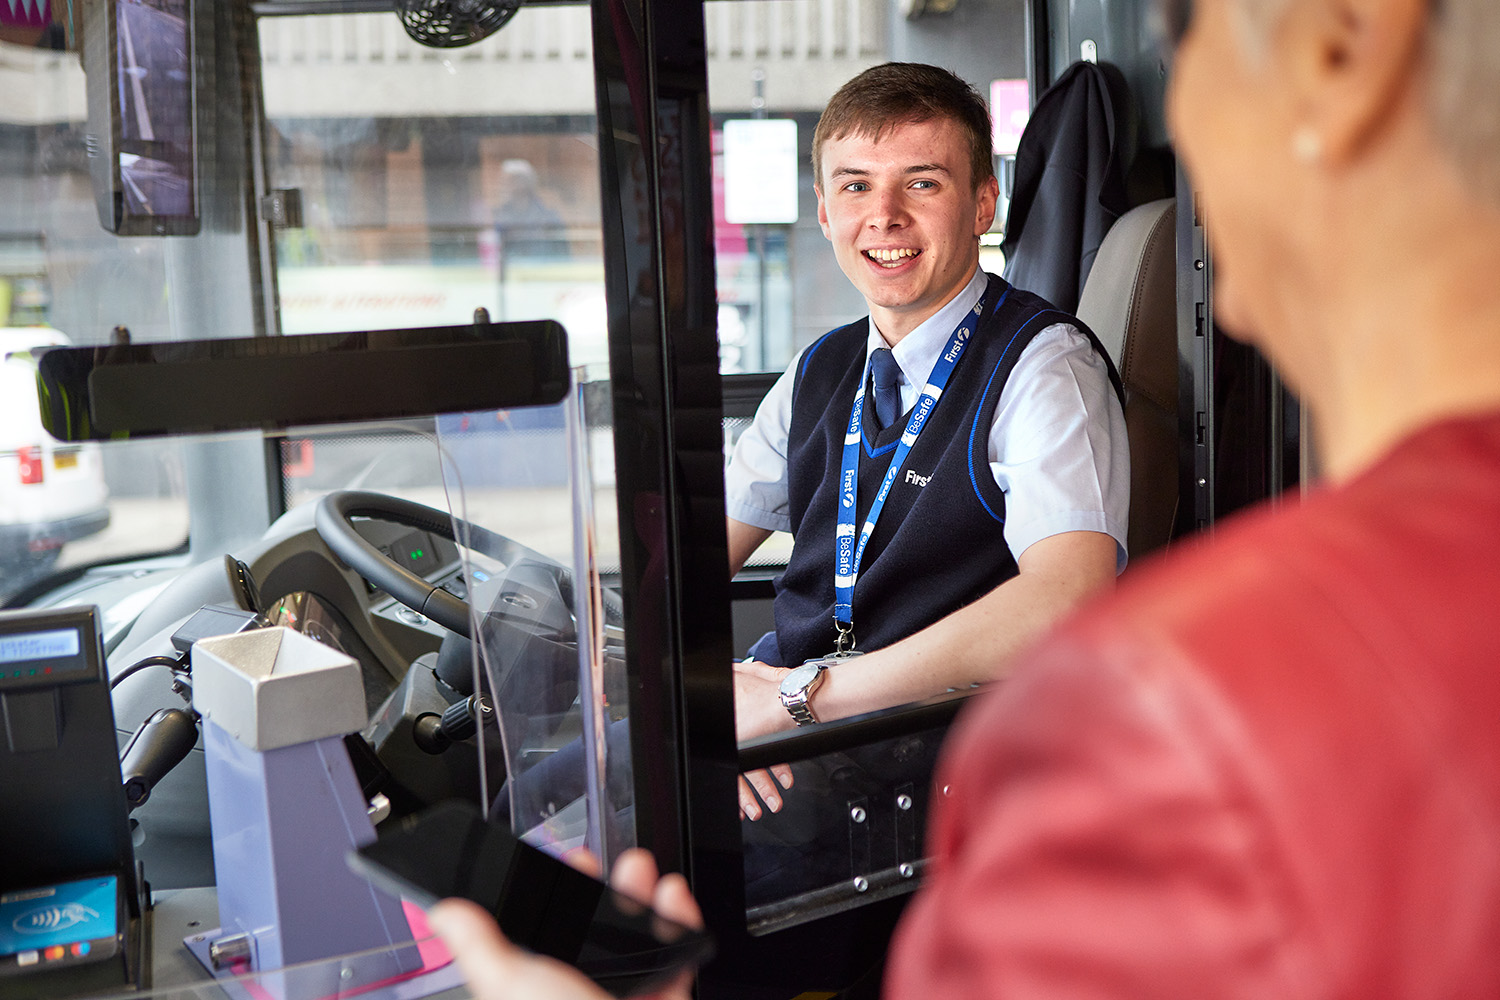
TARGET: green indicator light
(417,553)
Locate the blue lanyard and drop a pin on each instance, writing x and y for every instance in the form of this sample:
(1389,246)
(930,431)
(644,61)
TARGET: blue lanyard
(849,548)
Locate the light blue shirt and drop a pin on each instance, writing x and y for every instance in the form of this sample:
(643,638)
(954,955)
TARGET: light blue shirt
(1057,446)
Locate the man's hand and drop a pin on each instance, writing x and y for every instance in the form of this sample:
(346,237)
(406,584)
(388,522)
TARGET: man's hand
(765,786)
(496,969)
(758,711)
(757,700)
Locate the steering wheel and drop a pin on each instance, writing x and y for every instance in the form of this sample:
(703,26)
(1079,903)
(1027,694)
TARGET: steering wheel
(333,519)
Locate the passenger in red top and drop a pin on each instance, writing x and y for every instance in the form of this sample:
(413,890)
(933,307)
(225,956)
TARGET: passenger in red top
(1269,766)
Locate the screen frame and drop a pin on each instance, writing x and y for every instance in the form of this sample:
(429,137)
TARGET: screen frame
(104,139)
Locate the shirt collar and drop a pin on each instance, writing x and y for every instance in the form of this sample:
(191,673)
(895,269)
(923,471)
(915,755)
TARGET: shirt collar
(918,351)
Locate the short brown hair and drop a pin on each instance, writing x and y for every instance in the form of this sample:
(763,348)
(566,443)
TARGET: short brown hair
(893,94)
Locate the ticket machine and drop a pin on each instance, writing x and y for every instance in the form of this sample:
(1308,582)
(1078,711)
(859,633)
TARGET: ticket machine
(72,901)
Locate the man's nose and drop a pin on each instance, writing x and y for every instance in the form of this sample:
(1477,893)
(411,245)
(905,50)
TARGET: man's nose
(889,211)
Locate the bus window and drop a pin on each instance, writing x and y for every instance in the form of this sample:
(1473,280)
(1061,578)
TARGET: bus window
(420,203)
(63,280)
(432,183)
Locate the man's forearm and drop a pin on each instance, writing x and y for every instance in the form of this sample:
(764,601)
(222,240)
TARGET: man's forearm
(981,641)
(744,539)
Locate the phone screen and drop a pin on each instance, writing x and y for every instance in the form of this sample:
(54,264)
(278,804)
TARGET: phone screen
(71,922)
(539,902)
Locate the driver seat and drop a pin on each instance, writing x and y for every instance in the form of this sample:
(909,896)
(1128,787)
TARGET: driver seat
(1130,302)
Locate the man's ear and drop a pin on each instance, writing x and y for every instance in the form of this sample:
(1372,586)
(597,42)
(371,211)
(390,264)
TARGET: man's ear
(1352,61)
(822,211)
(988,197)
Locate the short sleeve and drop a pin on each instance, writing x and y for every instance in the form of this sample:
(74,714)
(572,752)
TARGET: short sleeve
(1058,447)
(755,482)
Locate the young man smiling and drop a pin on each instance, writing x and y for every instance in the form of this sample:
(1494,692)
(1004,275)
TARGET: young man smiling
(1002,440)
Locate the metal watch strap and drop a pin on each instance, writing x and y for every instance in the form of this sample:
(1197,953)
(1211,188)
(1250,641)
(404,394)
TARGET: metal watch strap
(801,712)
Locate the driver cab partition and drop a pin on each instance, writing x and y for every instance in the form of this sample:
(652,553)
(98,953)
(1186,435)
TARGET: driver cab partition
(855,833)
(547,635)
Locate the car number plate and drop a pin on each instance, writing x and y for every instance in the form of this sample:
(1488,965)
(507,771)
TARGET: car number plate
(64,459)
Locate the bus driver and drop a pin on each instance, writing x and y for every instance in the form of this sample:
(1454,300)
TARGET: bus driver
(992,415)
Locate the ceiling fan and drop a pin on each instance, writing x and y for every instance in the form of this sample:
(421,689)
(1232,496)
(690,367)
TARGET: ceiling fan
(450,24)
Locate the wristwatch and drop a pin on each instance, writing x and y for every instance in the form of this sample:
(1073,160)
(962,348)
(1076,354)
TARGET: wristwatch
(797,690)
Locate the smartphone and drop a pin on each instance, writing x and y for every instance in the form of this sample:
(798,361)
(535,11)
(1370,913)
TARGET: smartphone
(49,926)
(539,901)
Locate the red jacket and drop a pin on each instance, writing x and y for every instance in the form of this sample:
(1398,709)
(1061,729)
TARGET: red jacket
(1269,766)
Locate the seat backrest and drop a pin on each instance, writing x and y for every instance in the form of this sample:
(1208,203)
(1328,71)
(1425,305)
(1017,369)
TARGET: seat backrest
(1130,302)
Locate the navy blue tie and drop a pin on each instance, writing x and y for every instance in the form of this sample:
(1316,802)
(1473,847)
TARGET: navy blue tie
(886,375)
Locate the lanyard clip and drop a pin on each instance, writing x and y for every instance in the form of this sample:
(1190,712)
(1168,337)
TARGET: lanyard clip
(844,643)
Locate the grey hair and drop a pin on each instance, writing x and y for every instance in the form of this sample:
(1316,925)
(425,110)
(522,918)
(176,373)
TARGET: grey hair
(1463,94)
(1463,81)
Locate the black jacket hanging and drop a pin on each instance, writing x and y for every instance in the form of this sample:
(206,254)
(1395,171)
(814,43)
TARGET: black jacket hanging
(1069,182)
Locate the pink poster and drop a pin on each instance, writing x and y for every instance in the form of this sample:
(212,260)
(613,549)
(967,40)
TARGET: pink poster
(1010,107)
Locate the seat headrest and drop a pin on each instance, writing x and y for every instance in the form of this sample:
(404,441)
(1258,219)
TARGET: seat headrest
(1133,286)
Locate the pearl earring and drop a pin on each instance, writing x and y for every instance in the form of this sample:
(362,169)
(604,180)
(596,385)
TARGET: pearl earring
(1307,145)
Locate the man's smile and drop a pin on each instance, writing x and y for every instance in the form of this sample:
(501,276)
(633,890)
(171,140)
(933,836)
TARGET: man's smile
(891,258)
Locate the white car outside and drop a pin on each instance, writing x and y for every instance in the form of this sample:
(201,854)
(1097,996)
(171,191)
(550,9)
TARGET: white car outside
(50,492)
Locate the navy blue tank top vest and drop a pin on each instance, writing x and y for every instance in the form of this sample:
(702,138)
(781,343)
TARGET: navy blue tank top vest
(939,544)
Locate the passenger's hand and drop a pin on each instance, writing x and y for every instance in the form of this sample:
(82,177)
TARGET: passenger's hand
(763,786)
(496,969)
(757,700)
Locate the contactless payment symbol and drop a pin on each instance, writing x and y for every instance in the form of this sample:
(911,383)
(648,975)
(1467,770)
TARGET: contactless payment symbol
(52,918)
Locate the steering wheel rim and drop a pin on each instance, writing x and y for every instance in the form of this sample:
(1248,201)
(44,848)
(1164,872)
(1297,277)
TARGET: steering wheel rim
(333,520)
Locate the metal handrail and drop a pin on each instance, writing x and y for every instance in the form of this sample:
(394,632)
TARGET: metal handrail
(855,731)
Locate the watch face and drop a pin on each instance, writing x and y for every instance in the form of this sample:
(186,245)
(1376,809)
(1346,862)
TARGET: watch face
(797,681)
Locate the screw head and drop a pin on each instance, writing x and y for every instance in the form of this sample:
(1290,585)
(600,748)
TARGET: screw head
(861,883)
(907,869)
(903,802)
(857,814)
